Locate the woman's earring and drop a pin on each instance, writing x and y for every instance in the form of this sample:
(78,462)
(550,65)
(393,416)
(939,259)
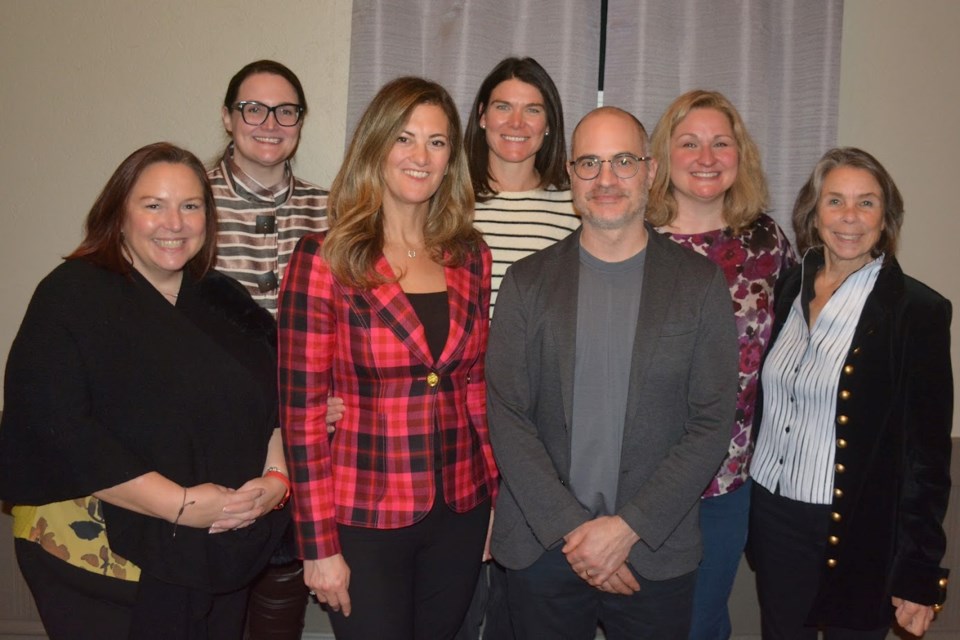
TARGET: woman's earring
(483,126)
(547,132)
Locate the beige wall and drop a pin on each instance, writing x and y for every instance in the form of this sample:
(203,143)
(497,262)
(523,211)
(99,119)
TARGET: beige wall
(899,97)
(82,84)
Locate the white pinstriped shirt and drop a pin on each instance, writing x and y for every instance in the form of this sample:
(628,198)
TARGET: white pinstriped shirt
(797,440)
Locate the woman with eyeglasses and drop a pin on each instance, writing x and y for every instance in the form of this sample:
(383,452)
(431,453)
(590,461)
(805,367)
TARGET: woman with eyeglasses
(709,195)
(263,209)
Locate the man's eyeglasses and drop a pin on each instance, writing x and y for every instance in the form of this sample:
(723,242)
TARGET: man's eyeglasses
(256,113)
(624,166)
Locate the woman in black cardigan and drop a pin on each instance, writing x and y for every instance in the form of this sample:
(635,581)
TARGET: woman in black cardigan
(139,437)
(852,465)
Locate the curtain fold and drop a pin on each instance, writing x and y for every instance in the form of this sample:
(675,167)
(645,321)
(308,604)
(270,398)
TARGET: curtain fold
(778,62)
(458,42)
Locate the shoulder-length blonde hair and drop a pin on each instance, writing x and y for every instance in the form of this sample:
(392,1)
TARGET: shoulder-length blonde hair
(355,240)
(746,198)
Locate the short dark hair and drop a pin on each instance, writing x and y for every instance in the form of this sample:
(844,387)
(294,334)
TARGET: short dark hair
(102,243)
(805,207)
(263,66)
(551,158)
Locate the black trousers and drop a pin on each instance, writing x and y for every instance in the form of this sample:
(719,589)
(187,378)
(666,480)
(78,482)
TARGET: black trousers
(413,583)
(75,604)
(548,601)
(787,543)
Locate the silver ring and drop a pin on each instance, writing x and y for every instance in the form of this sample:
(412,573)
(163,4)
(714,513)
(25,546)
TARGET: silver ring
(313,593)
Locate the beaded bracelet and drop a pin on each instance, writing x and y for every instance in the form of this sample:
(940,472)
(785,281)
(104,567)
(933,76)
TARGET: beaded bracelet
(274,472)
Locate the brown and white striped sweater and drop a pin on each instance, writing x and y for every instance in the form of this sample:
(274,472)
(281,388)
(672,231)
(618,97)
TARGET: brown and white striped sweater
(257,229)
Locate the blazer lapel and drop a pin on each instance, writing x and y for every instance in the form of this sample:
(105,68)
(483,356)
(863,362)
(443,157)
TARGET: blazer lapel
(463,294)
(562,301)
(390,304)
(659,275)
(878,306)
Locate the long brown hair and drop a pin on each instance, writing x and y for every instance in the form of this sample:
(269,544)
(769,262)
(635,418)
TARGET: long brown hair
(746,198)
(102,243)
(355,240)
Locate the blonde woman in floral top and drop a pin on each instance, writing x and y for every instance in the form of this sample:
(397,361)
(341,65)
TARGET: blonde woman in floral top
(709,195)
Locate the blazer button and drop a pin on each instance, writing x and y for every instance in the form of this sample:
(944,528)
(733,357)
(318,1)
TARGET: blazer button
(832,563)
(845,394)
(833,540)
(837,493)
(839,468)
(942,583)
(432,379)
(937,608)
(848,369)
(842,420)
(841,443)
(836,517)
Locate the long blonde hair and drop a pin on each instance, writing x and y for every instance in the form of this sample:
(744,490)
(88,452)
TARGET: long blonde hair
(746,198)
(355,240)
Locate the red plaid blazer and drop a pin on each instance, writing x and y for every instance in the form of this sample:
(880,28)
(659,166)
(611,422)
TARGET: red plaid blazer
(368,347)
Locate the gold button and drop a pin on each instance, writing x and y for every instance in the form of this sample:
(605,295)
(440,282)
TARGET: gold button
(848,369)
(839,468)
(832,562)
(943,583)
(834,540)
(838,493)
(841,443)
(937,608)
(432,379)
(842,420)
(856,351)
(836,516)
(845,394)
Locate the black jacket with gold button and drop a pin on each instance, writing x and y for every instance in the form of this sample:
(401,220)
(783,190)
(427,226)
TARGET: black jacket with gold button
(894,415)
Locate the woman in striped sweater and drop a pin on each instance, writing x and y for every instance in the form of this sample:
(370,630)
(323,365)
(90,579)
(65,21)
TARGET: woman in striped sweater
(263,210)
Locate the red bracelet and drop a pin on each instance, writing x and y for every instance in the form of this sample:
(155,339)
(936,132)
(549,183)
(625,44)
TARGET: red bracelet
(274,472)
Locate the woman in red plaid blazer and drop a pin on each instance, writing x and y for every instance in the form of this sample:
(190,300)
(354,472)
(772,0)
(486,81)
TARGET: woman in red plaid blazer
(388,311)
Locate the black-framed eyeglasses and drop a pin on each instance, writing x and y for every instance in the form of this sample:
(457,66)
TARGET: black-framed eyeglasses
(624,166)
(256,113)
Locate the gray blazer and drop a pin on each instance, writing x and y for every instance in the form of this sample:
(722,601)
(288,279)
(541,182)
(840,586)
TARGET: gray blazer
(681,403)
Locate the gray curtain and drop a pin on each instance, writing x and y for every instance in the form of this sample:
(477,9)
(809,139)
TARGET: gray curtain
(458,42)
(778,61)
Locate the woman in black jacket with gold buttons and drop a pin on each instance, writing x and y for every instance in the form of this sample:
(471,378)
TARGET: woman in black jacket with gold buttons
(852,462)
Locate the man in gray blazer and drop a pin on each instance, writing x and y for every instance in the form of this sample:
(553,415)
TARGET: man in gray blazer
(612,379)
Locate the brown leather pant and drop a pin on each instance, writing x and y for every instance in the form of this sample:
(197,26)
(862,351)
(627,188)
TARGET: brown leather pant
(278,602)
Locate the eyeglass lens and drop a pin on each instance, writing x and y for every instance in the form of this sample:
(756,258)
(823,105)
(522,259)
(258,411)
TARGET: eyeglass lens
(624,166)
(255,113)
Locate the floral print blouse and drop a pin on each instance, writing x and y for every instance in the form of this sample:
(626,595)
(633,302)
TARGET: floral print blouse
(751,263)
